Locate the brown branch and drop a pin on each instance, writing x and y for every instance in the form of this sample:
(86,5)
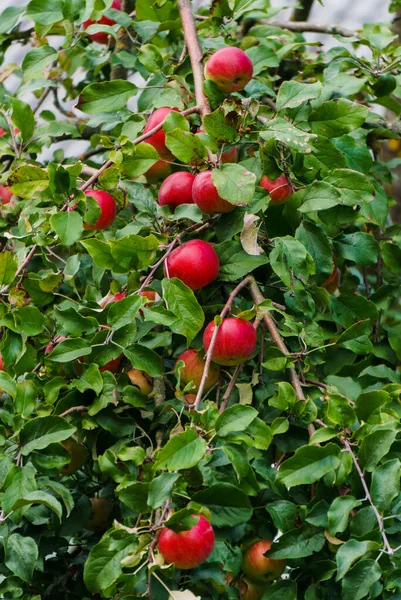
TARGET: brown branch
(230,388)
(209,353)
(195,53)
(141,138)
(302,12)
(304,26)
(278,340)
(72,410)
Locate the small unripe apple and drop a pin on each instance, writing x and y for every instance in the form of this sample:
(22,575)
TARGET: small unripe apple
(258,567)
(205,195)
(101,510)
(187,549)
(78,456)
(177,189)
(333,281)
(193,370)
(108,208)
(235,343)
(195,263)
(102,37)
(5,194)
(159,171)
(279,189)
(230,69)
(141,380)
(158,140)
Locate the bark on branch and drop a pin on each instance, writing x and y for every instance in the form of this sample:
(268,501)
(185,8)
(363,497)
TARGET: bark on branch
(304,26)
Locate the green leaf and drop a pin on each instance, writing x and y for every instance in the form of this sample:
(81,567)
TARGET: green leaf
(385,484)
(187,147)
(69,350)
(108,395)
(27,181)
(37,60)
(144,359)
(285,398)
(141,158)
(44,12)
(106,96)
(323,435)
(123,312)
(135,496)
(74,323)
(281,590)
(160,489)
(337,117)
(183,451)
(357,583)
(284,514)
(318,196)
(151,58)
(315,240)
(339,511)
(374,447)
(8,267)
(234,184)
(354,189)
(298,543)
(368,402)
(134,251)
(40,432)
(101,255)
(359,247)
(218,126)
(9,17)
(21,554)
(349,552)
(235,262)
(293,93)
(23,118)
(235,418)
(283,131)
(339,411)
(19,482)
(182,302)
(228,504)
(292,262)
(103,566)
(68,226)
(308,465)
(42,498)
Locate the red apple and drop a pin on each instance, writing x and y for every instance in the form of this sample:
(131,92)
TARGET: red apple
(102,37)
(205,195)
(231,156)
(158,140)
(2,132)
(5,194)
(150,295)
(2,365)
(279,189)
(159,171)
(193,370)
(177,189)
(258,567)
(333,281)
(114,298)
(230,69)
(107,205)
(141,380)
(190,398)
(53,343)
(235,343)
(195,263)
(187,549)
(112,366)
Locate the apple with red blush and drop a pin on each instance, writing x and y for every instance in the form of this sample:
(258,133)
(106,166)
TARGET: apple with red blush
(195,262)
(159,171)
(206,196)
(190,548)
(258,567)
(108,209)
(280,189)
(333,281)
(141,380)
(192,371)
(5,194)
(235,342)
(177,189)
(230,69)
(158,139)
(102,37)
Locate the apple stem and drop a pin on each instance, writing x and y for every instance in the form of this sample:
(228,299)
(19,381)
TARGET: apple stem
(278,340)
(209,353)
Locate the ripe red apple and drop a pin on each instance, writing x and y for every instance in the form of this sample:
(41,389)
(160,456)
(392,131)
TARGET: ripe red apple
(141,380)
(195,263)
(78,456)
(231,156)
(159,171)
(112,366)
(53,343)
(150,295)
(5,194)
(187,549)
(107,205)
(279,189)
(258,567)
(158,140)
(102,37)
(177,189)
(333,281)
(205,195)
(230,69)
(114,298)
(2,365)
(101,509)
(193,370)
(190,398)
(235,343)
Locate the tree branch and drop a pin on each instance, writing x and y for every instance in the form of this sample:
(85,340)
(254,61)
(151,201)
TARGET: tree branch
(72,410)
(278,340)
(20,268)
(230,388)
(302,13)
(304,26)
(209,353)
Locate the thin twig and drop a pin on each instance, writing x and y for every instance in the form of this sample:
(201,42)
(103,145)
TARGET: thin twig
(20,268)
(209,353)
(304,26)
(72,410)
(230,388)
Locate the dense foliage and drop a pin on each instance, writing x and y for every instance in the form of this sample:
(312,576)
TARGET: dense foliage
(102,440)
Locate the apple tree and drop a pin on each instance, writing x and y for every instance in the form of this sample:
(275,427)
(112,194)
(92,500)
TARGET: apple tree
(199,304)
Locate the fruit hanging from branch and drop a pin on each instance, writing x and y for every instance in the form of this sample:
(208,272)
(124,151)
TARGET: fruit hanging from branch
(195,262)
(108,208)
(230,69)
(206,196)
(177,189)
(190,548)
(102,37)
(235,342)
(258,567)
(193,370)
(279,189)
